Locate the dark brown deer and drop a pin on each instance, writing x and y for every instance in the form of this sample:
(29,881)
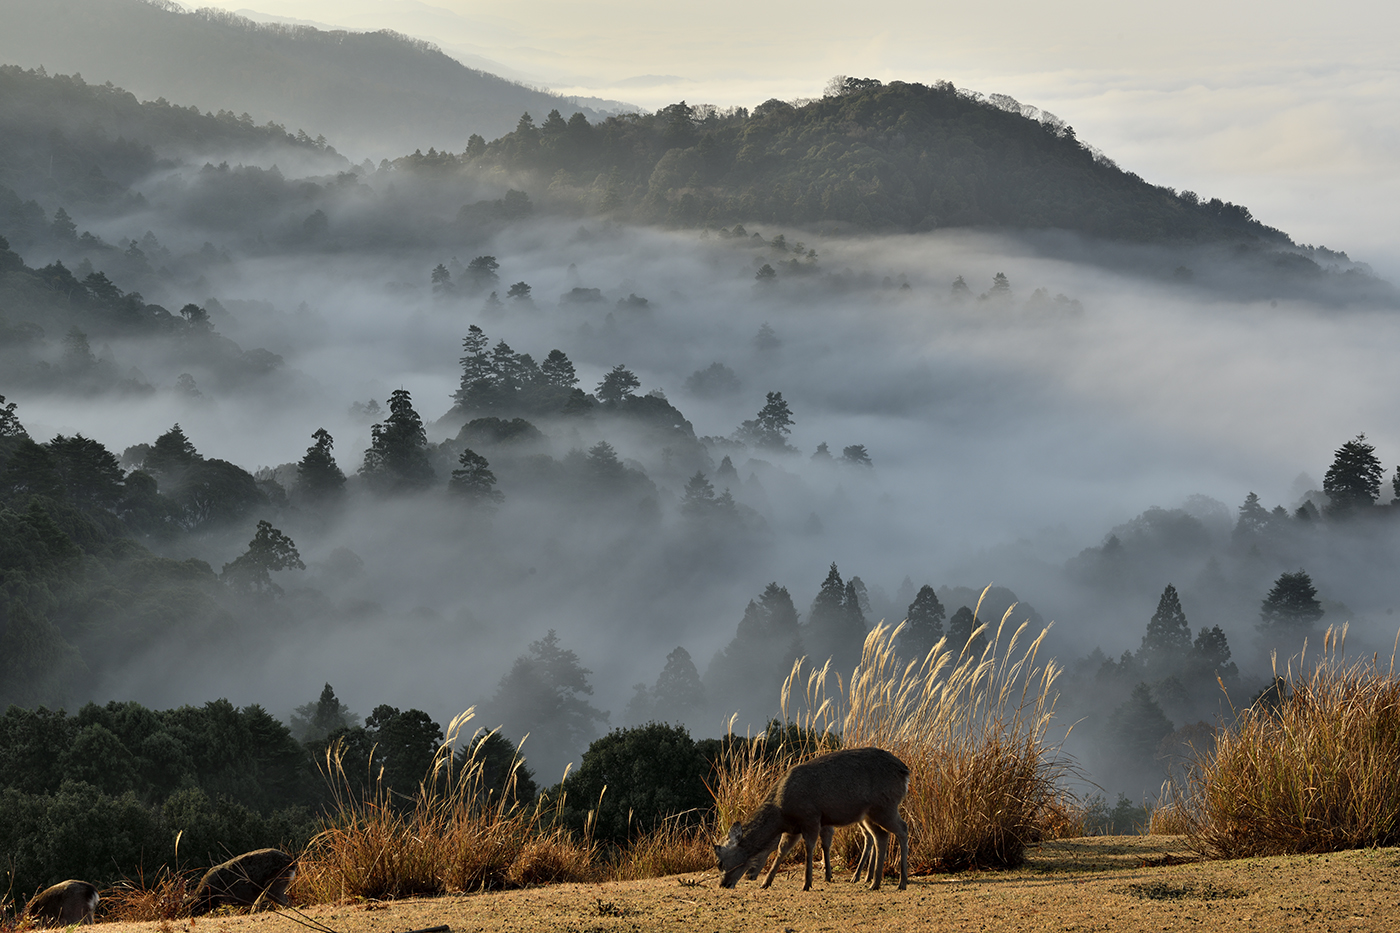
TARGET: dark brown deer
(246,881)
(854,785)
(63,904)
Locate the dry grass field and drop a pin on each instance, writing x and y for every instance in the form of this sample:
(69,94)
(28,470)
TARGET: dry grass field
(1125,883)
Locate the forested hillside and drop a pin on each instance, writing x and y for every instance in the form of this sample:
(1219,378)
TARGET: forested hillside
(371,93)
(83,145)
(869,156)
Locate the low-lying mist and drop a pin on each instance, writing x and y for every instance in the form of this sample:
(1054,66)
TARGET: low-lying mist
(1019,398)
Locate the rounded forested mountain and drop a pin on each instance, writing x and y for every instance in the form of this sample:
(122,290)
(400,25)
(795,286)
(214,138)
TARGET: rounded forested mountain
(896,156)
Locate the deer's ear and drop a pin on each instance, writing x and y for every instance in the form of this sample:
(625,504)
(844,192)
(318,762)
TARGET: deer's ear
(736,833)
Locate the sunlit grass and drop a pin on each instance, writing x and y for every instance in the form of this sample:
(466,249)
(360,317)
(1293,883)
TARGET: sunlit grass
(166,897)
(1317,772)
(458,836)
(984,785)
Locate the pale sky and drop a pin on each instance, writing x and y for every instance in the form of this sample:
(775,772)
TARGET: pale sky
(1272,105)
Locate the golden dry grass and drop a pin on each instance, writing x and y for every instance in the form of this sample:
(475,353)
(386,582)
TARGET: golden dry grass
(165,898)
(457,837)
(1317,772)
(984,782)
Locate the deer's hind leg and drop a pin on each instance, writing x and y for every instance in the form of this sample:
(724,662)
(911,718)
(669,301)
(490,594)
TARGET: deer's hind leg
(889,821)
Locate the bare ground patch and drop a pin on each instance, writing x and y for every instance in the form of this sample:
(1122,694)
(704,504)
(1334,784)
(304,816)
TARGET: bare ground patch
(1118,883)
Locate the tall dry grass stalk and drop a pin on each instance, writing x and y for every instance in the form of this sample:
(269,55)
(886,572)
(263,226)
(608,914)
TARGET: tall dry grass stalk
(457,836)
(1317,772)
(138,900)
(984,782)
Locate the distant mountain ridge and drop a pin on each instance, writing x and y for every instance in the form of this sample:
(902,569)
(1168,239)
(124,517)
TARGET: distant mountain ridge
(374,94)
(868,156)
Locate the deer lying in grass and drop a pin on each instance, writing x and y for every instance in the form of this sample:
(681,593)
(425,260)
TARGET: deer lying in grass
(64,904)
(855,785)
(247,880)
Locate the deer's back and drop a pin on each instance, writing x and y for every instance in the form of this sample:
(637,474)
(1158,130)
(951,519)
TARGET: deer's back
(841,787)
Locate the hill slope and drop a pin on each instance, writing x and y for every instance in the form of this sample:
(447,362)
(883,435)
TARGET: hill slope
(371,93)
(883,157)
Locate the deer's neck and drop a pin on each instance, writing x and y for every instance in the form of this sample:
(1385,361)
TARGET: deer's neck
(763,828)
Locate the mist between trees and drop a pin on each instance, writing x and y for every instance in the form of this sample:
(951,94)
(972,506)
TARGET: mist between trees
(449,436)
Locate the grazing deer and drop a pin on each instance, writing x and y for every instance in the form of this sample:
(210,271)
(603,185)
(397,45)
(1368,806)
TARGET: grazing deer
(854,785)
(245,881)
(64,904)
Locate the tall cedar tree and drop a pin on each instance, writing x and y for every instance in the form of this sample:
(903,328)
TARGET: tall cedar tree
(474,481)
(171,452)
(835,627)
(960,637)
(318,475)
(1291,606)
(544,694)
(617,385)
(770,429)
(312,722)
(558,370)
(1353,482)
(397,458)
(924,624)
(1168,638)
(677,696)
(748,673)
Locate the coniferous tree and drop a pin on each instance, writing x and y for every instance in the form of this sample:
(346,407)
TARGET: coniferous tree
(960,637)
(604,471)
(1211,652)
(1291,608)
(269,550)
(1253,520)
(558,370)
(89,472)
(1136,727)
(835,626)
(924,624)
(699,498)
(312,722)
(318,475)
(397,458)
(1353,482)
(474,481)
(770,429)
(677,696)
(617,384)
(1168,638)
(749,672)
(856,455)
(481,271)
(544,693)
(478,382)
(171,452)
(442,280)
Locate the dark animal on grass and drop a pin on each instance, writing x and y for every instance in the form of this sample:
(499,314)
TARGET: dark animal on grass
(249,880)
(63,904)
(854,785)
